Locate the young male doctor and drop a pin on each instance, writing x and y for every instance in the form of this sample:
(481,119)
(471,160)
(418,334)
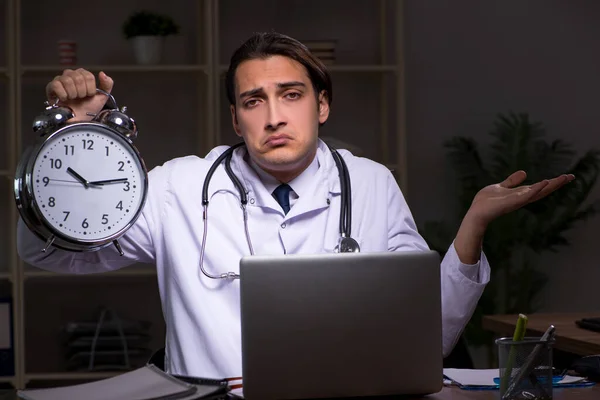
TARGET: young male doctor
(279,94)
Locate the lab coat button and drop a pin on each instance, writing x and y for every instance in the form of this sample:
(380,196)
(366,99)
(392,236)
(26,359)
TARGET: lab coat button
(252,201)
(283,226)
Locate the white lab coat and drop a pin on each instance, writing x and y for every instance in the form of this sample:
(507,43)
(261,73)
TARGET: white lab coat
(202,315)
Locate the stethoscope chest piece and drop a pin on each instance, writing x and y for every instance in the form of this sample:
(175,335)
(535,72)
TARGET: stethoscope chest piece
(347,245)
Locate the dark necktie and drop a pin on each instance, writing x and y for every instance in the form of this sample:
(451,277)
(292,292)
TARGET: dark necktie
(282,195)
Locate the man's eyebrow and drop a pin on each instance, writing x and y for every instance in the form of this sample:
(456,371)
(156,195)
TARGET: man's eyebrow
(251,92)
(282,85)
(290,84)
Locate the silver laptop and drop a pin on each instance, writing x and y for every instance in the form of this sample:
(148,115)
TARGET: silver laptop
(341,325)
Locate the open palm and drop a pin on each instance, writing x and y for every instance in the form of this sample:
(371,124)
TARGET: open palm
(501,198)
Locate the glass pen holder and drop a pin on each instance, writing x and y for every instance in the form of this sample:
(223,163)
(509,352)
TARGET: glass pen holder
(525,368)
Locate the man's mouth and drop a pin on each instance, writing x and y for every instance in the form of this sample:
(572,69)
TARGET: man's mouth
(278,140)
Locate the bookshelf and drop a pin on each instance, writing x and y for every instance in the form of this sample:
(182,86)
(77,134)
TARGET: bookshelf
(180,108)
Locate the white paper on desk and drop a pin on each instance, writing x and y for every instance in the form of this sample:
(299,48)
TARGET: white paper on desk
(485,377)
(143,383)
(472,377)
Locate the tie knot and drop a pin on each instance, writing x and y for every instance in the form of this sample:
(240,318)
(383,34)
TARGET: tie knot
(282,195)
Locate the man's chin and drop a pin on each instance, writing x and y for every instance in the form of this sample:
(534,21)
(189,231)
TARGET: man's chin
(280,159)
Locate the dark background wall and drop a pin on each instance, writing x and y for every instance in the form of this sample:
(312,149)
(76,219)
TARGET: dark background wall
(468,60)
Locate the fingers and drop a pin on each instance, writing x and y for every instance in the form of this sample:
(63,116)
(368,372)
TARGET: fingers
(537,188)
(514,179)
(76,84)
(105,82)
(55,90)
(90,83)
(553,185)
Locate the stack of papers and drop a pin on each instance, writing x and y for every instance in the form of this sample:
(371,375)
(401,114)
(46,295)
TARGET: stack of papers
(488,378)
(144,383)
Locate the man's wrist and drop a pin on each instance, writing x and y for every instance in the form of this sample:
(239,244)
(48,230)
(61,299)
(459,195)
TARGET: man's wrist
(474,225)
(469,239)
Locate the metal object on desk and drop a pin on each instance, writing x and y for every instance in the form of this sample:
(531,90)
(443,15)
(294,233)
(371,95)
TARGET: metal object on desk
(528,363)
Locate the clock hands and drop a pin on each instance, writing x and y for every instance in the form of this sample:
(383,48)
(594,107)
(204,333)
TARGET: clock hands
(87,183)
(60,180)
(117,180)
(78,177)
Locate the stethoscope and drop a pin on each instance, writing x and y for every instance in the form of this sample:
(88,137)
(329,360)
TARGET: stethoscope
(345,243)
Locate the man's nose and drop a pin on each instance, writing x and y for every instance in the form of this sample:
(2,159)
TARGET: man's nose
(275,117)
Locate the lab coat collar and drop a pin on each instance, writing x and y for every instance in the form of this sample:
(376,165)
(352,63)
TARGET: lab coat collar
(300,184)
(326,180)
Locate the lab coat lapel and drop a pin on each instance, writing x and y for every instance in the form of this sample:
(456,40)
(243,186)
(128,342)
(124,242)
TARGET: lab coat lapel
(258,195)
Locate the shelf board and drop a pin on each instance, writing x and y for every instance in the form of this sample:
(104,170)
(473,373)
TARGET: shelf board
(4,172)
(123,272)
(55,376)
(116,68)
(5,275)
(7,379)
(349,68)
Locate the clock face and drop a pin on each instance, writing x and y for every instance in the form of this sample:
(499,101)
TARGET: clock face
(88,182)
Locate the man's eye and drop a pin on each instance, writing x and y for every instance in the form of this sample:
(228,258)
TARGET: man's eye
(250,103)
(293,95)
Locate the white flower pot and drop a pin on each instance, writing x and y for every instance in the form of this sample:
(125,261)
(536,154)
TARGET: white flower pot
(147,49)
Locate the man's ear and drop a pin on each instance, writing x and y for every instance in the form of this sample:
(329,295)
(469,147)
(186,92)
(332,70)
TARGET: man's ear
(323,107)
(234,121)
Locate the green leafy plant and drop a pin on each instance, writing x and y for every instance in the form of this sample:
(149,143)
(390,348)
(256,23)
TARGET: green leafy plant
(514,241)
(143,23)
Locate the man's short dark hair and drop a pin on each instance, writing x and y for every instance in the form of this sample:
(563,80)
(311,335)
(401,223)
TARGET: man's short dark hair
(266,44)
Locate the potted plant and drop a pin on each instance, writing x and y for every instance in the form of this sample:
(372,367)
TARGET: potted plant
(514,241)
(147,30)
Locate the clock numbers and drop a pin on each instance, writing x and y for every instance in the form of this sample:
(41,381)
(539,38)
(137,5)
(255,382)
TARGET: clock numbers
(87,184)
(55,163)
(88,144)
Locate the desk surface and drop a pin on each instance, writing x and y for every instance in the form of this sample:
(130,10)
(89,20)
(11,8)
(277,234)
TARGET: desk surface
(454,393)
(569,337)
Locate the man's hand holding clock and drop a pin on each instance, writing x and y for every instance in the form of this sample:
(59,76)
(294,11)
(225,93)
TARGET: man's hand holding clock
(77,90)
(84,184)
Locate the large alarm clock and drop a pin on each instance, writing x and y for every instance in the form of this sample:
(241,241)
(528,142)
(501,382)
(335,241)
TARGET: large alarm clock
(82,185)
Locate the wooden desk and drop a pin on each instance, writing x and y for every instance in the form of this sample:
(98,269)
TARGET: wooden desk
(454,393)
(569,337)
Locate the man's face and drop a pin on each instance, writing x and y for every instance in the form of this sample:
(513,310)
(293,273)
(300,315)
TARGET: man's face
(277,114)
